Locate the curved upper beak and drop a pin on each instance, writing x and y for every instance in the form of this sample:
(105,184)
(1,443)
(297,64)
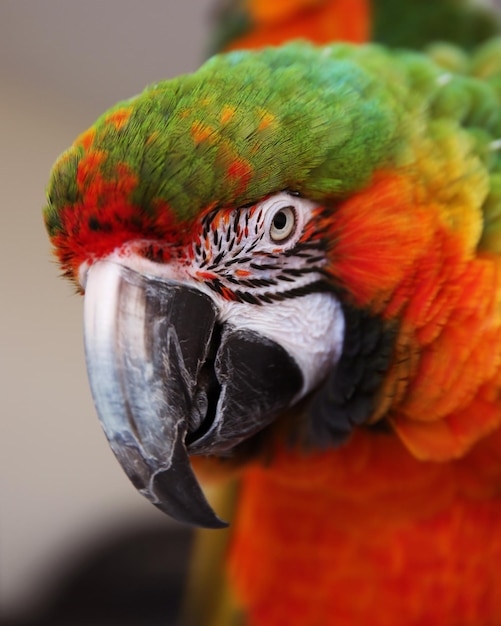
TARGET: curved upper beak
(169,380)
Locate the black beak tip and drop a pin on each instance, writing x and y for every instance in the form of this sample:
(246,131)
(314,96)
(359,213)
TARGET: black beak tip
(205,519)
(176,492)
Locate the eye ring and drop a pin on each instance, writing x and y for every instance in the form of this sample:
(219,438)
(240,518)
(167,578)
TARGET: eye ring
(283,224)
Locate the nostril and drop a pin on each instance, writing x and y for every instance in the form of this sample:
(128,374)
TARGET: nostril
(157,252)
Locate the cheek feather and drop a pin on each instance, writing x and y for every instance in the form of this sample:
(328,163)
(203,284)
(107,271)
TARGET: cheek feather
(365,258)
(404,255)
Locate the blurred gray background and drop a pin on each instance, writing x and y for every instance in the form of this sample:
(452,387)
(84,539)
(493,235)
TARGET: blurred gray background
(62,63)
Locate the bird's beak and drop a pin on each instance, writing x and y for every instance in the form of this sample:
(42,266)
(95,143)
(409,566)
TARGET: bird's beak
(169,380)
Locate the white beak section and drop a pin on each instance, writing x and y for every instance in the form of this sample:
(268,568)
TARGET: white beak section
(131,350)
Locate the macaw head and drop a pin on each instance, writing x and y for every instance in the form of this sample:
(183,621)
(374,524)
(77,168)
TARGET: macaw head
(244,238)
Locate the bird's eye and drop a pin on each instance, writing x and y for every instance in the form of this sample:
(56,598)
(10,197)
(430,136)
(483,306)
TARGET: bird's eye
(283,223)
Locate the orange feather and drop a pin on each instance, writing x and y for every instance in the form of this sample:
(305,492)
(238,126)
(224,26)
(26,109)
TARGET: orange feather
(322,22)
(369,535)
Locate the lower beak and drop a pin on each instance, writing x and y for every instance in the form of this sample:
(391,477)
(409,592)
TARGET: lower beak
(169,380)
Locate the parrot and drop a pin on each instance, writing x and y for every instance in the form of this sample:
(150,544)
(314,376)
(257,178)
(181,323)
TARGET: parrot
(291,268)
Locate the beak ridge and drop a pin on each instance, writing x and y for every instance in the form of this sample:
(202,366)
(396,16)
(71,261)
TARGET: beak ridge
(132,348)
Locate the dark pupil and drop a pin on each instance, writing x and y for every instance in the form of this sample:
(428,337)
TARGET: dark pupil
(280,220)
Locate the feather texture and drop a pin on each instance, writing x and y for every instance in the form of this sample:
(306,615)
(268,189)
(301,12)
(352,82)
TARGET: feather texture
(400,152)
